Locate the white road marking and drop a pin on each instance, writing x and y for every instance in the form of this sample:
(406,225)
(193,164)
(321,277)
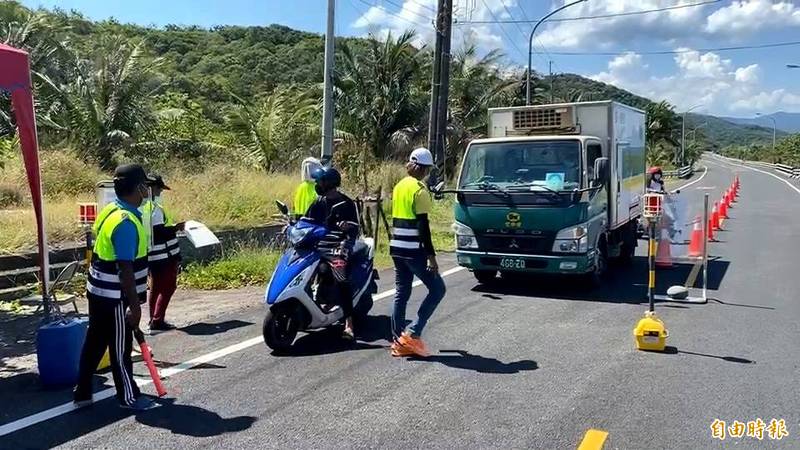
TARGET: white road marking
(65,408)
(781,179)
(705,171)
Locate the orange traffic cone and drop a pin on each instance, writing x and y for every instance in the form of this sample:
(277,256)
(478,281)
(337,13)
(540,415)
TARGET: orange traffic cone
(715,217)
(710,228)
(696,239)
(663,256)
(723,207)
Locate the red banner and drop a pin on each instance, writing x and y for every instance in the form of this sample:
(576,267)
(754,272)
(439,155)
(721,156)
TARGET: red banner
(16,79)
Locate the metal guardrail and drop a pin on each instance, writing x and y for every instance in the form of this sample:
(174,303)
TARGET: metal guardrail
(791,172)
(683,172)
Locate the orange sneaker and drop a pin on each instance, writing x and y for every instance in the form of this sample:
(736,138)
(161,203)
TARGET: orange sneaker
(400,350)
(414,344)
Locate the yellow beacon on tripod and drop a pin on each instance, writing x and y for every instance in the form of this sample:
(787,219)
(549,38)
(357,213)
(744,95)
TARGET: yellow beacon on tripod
(650,333)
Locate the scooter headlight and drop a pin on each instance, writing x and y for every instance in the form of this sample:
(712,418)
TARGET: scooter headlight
(297,235)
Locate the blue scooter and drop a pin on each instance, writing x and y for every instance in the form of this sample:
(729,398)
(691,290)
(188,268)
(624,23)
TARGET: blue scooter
(299,297)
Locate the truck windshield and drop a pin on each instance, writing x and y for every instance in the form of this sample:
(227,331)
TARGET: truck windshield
(553,165)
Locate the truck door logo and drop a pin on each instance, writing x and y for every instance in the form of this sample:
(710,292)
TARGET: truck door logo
(513,220)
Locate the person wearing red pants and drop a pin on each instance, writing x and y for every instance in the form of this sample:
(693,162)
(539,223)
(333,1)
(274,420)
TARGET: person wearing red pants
(164,256)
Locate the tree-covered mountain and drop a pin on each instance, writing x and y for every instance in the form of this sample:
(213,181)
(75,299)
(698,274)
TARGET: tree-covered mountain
(784,121)
(252,95)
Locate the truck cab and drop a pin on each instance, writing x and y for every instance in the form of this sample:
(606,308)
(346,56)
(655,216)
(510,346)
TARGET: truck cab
(554,189)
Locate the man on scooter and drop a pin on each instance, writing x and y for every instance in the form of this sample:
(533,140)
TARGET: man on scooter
(338,213)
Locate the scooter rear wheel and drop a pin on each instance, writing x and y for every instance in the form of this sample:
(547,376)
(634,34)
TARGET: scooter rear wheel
(280,328)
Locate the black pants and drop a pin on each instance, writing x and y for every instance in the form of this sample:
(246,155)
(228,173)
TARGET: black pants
(337,272)
(108,329)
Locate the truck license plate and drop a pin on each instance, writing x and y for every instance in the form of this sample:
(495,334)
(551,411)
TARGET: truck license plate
(512,263)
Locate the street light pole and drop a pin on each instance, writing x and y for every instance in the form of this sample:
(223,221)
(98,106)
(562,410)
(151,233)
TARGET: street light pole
(530,48)
(774,128)
(683,132)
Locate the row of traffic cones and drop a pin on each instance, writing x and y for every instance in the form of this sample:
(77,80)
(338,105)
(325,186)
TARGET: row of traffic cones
(718,215)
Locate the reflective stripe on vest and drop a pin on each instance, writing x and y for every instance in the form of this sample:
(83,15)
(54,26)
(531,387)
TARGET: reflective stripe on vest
(161,249)
(405,234)
(103,280)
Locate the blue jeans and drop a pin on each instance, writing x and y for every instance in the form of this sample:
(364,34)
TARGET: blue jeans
(404,272)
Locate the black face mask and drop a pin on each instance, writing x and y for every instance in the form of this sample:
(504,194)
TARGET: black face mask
(319,190)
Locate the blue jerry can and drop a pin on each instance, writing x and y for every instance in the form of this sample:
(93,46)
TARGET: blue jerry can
(58,350)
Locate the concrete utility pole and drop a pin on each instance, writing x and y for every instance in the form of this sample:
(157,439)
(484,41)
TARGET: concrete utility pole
(530,48)
(440,87)
(551,81)
(327,95)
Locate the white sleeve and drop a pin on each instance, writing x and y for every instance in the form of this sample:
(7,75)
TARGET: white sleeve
(158,215)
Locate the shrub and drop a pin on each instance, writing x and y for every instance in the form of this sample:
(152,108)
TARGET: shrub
(10,195)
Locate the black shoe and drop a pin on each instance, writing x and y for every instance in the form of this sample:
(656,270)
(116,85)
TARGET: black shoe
(81,400)
(140,404)
(161,326)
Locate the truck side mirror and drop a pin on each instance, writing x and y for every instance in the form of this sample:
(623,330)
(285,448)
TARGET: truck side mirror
(601,171)
(282,207)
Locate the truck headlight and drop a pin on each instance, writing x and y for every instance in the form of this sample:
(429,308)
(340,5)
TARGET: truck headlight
(572,240)
(465,237)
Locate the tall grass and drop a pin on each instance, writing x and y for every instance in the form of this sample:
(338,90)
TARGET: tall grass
(221,196)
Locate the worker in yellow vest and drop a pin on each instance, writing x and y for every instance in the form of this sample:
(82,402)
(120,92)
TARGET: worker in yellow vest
(413,254)
(164,255)
(116,287)
(305,194)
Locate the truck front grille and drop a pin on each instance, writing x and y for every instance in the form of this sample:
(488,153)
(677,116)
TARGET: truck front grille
(531,245)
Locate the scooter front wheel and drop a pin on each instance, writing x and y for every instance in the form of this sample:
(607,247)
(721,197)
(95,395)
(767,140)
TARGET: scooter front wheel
(280,328)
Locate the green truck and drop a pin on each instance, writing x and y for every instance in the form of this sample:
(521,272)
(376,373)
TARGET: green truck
(554,189)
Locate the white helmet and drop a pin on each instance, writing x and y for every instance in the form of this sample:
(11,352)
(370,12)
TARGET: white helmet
(308,167)
(421,156)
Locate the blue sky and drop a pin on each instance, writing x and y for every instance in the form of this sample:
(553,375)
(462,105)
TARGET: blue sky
(737,83)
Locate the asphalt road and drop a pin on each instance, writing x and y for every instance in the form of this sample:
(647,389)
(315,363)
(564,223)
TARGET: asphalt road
(528,364)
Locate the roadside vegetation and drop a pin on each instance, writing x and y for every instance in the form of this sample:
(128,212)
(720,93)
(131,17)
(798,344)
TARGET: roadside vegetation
(226,115)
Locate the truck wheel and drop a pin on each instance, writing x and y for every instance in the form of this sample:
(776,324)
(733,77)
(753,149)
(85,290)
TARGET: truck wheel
(628,247)
(485,276)
(596,277)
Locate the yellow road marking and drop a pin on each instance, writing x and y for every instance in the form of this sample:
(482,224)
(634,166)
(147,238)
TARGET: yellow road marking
(693,274)
(593,440)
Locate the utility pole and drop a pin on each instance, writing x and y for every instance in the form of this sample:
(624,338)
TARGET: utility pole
(551,81)
(327,95)
(440,87)
(433,116)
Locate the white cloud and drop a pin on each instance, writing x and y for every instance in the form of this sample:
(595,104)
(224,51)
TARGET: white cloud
(749,74)
(700,78)
(608,32)
(419,15)
(748,17)
(685,25)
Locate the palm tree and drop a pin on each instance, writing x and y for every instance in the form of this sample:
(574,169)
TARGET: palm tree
(476,84)
(109,102)
(283,123)
(375,92)
(662,122)
(38,35)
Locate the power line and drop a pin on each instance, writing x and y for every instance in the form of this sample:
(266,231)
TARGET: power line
(599,16)
(372,5)
(510,39)
(400,7)
(422,5)
(677,52)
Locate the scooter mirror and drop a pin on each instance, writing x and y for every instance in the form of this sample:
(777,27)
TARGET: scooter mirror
(282,207)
